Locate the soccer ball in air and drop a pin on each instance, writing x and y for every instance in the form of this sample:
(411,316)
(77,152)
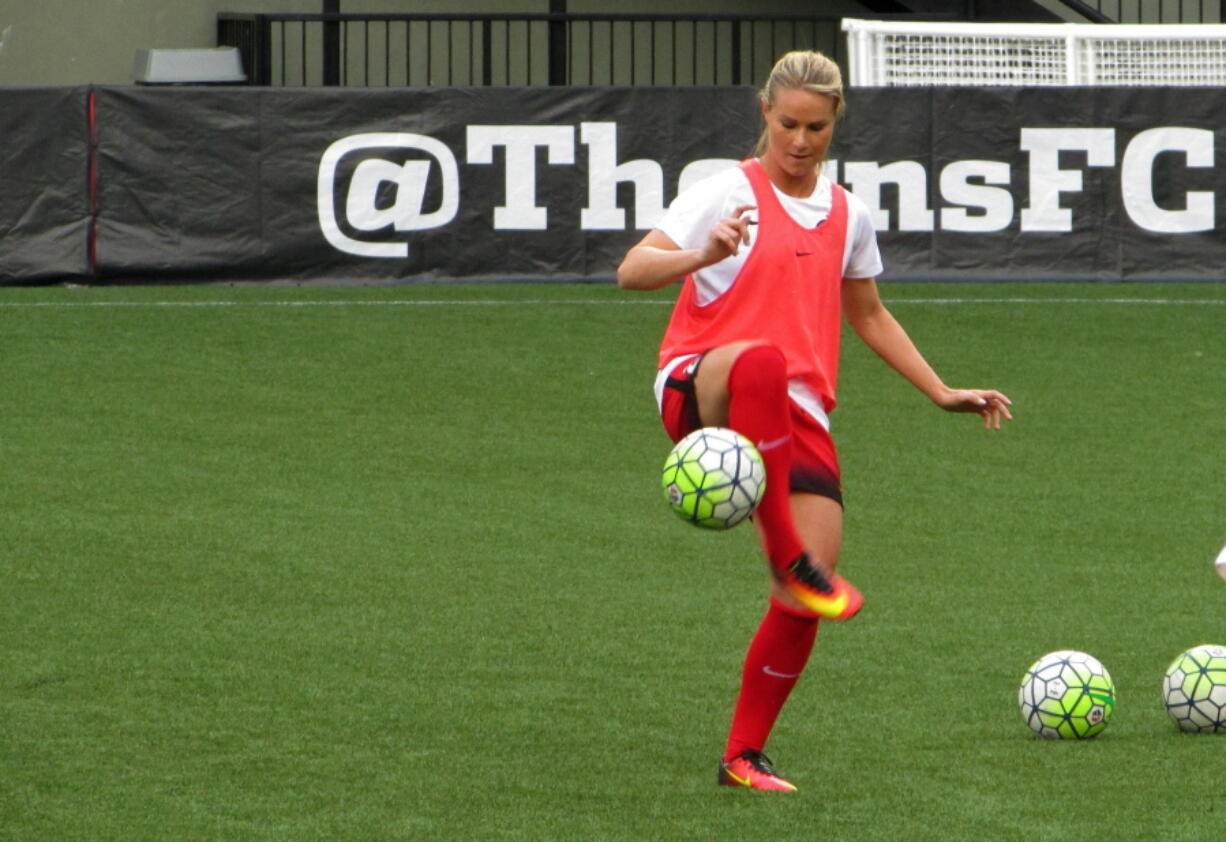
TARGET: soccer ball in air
(1194,689)
(1067,695)
(714,478)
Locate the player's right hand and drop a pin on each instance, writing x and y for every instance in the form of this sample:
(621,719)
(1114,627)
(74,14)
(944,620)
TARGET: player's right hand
(728,235)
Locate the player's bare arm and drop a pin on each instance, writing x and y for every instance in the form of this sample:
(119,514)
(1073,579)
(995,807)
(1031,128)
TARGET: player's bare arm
(877,327)
(656,261)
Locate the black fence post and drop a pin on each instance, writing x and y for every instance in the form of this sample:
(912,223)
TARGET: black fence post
(487,53)
(332,44)
(736,51)
(263,50)
(557,44)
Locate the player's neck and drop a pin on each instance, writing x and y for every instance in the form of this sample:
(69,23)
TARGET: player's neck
(800,184)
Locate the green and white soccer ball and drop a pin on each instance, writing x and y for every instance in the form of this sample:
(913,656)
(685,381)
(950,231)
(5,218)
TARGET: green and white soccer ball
(1194,690)
(1067,695)
(714,478)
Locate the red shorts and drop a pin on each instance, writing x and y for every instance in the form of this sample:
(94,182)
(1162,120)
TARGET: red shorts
(815,463)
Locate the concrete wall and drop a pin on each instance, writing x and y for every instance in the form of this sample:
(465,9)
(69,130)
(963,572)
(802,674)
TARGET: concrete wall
(74,42)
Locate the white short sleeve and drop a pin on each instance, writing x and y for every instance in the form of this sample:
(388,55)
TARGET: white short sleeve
(861,256)
(692,215)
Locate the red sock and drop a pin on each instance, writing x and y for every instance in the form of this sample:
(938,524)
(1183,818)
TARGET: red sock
(758,409)
(777,656)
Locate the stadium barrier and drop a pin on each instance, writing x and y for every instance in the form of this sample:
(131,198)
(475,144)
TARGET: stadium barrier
(44,183)
(1041,183)
(401,185)
(383,185)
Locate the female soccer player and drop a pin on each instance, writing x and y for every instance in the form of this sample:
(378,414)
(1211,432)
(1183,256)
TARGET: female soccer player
(773,255)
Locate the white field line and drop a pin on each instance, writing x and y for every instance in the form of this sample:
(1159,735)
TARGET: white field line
(510,302)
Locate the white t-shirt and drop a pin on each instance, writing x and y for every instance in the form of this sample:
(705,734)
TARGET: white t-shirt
(690,218)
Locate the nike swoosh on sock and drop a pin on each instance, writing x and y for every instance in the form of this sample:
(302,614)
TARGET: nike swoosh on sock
(766,669)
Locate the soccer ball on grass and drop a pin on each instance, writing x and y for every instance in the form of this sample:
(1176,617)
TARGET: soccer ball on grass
(1067,695)
(1194,690)
(714,478)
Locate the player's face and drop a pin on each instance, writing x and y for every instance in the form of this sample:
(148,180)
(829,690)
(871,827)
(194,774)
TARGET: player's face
(800,126)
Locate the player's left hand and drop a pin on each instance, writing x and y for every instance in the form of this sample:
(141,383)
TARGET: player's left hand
(991,405)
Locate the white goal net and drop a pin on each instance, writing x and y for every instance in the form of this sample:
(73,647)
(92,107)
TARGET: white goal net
(897,53)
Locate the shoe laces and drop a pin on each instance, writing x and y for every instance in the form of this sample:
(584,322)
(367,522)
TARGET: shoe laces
(760,762)
(806,572)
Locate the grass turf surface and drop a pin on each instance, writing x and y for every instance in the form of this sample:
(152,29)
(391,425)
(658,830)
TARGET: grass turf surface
(382,563)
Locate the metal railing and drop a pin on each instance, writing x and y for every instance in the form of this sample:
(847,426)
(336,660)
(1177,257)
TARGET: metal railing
(376,50)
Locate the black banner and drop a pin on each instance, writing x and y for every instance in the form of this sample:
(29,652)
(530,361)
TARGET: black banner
(359,185)
(44,184)
(399,184)
(1041,183)
(181,193)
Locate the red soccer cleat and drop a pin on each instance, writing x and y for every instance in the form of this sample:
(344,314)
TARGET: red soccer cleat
(826,594)
(752,770)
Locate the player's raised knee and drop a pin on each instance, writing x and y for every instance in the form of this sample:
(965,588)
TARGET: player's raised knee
(760,365)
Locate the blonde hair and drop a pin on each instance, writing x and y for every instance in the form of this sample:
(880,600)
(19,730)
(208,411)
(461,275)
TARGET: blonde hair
(803,70)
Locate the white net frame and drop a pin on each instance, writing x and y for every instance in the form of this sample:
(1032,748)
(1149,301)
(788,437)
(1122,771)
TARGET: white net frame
(888,53)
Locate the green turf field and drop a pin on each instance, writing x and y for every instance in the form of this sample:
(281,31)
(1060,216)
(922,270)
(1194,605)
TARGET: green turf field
(380,563)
